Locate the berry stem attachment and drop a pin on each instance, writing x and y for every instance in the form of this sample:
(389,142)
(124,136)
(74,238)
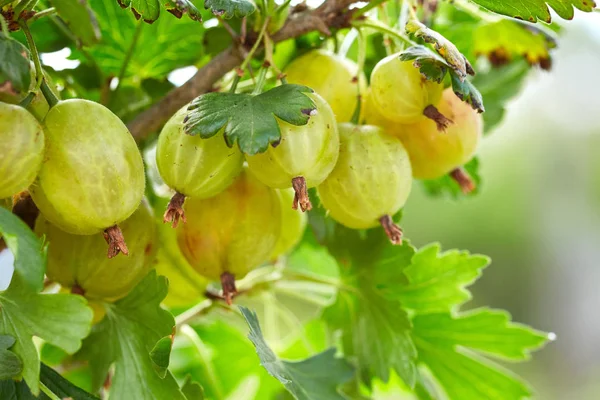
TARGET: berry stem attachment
(392,230)
(436,116)
(463,179)
(175,210)
(301,194)
(76,289)
(116,241)
(228,285)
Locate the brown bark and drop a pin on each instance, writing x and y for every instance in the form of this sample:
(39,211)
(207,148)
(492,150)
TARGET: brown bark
(329,14)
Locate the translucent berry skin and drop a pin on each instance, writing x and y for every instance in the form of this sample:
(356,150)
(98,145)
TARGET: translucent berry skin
(432,153)
(81,259)
(186,286)
(194,166)
(310,151)
(92,176)
(21,149)
(234,231)
(334,78)
(399,91)
(293,224)
(371,179)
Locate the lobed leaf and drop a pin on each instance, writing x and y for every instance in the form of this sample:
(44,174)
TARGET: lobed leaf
(61,319)
(315,378)
(249,119)
(534,10)
(431,65)
(437,281)
(126,337)
(451,348)
(468,93)
(160,48)
(501,41)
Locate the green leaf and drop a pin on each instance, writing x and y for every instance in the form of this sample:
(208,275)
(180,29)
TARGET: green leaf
(437,281)
(62,387)
(431,65)
(192,390)
(14,67)
(374,328)
(125,337)
(315,378)
(467,92)
(446,186)
(454,58)
(498,86)
(148,10)
(30,257)
(230,8)
(533,10)
(60,319)
(452,349)
(180,7)
(10,364)
(160,355)
(79,18)
(434,68)
(501,41)
(166,45)
(248,119)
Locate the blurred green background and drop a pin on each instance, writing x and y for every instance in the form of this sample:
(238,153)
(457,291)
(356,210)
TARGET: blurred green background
(538,215)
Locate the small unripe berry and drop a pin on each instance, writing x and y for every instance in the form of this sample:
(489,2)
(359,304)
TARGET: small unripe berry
(370,182)
(21,149)
(333,77)
(303,158)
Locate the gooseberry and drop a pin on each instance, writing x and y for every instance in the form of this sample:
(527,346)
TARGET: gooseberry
(92,176)
(21,149)
(77,262)
(370,182)
(401,94)
(333,77)
(293,224)
(303,158)
(433,154)
(193,166)
(231,233)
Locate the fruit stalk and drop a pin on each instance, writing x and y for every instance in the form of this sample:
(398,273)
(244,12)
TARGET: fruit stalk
(175,210)
(442,122)
(116,241)
(229,289)
(392,230)
(463,179)
(301,194)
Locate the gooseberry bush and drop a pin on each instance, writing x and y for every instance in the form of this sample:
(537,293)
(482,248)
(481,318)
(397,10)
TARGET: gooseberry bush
(239,236)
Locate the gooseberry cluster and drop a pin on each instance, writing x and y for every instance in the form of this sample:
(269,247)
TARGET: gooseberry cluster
(86,176)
